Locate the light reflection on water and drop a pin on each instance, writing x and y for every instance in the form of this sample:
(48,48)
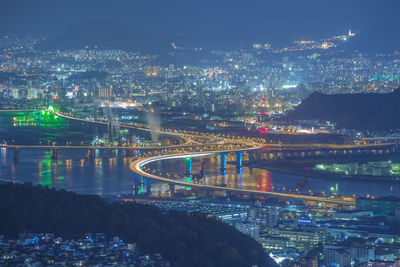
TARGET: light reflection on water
(102,176)
(110,175)
(264,180)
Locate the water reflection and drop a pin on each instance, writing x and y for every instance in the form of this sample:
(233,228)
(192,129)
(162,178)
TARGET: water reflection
(269,181)
(102,176)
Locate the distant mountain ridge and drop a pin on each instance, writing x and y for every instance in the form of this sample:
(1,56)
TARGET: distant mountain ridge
(103,34)
(375,112)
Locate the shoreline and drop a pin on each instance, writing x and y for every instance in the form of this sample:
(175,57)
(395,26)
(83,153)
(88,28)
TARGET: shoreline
(320,175)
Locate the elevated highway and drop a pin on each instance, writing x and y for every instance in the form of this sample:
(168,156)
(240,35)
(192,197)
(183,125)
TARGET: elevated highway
(137,167)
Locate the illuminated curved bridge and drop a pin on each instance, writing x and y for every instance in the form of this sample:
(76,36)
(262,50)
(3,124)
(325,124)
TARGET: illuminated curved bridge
(254,150)
(137,167)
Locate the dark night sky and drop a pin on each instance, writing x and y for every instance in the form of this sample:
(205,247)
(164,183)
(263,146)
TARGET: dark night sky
(260,20)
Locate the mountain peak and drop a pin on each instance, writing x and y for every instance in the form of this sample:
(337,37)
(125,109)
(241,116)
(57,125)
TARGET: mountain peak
(103,34)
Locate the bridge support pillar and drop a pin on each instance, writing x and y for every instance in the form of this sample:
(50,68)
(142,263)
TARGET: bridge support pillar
(239,159)
(251,156)
(189,180)
(223,161)
(16,154)
(147,185)
(91,154)
(136,184)
(171,190)
(188,169)
(53,154)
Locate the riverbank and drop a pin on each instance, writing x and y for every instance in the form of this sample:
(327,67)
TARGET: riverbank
(306,169)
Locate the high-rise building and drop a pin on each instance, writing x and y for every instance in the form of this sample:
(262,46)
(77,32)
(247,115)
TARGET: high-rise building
(32,93)
(337,257)
(15,93)
(265,216)
(105,93)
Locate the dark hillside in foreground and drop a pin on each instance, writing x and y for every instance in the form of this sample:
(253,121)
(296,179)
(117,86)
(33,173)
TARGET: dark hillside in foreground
(185,240)
(376,112)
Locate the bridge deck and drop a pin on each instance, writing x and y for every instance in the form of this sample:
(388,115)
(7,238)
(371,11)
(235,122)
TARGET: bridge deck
(137,165)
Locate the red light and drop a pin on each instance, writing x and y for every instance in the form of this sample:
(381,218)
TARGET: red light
(263,130)
(307,168)
(263,97)
(56,97)
(1,84)
(56,87)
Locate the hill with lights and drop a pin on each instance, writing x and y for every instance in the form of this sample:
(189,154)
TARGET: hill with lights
(375,112)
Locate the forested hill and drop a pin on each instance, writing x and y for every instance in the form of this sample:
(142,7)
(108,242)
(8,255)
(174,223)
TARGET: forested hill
(185,240)
(376,112)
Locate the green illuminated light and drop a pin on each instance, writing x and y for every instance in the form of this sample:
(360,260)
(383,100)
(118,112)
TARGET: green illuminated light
(320,166)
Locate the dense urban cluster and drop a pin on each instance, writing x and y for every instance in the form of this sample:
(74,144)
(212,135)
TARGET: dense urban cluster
(307,236)
(90,250)
(253,85)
